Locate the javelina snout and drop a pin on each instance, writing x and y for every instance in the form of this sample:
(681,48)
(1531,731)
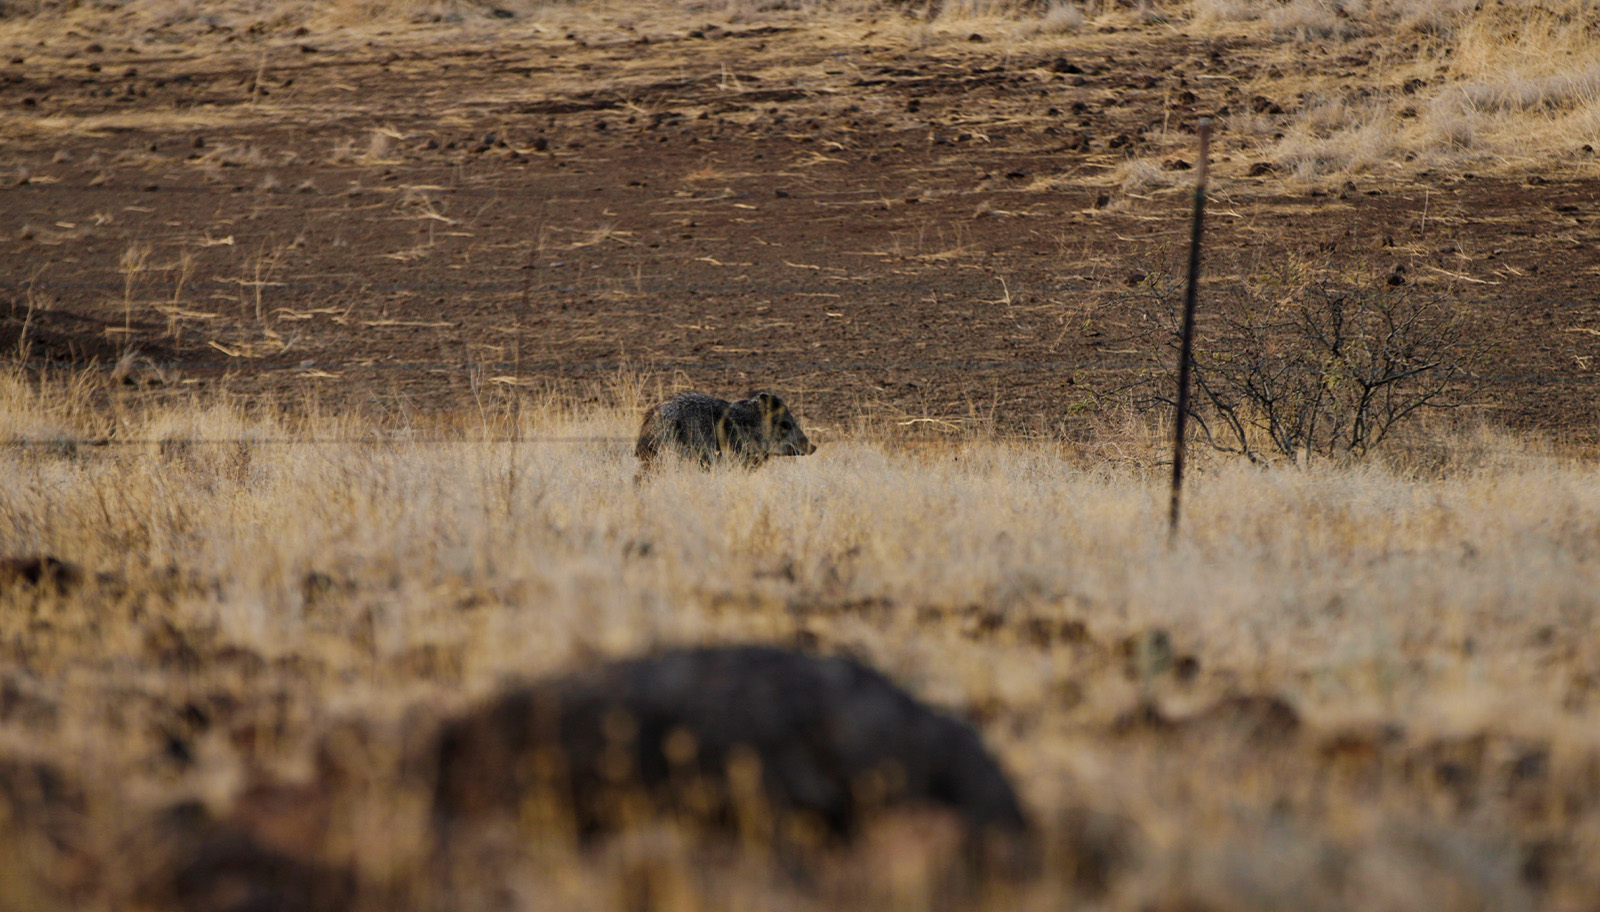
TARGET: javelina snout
(782,432)
(709,430)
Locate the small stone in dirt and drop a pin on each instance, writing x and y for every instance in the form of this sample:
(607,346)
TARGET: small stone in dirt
(1261,168)
(1062,65)
(780,193)
(1261,104)
(1134,278)
(975,37)
(199,142)
(1176,164)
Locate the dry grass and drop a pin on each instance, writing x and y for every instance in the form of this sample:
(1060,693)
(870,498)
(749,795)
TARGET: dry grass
(285,572)
(1492,87)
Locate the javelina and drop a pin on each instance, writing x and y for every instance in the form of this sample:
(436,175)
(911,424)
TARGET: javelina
(708,430)
(818,744)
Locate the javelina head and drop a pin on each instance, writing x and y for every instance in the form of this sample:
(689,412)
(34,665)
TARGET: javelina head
(781,432)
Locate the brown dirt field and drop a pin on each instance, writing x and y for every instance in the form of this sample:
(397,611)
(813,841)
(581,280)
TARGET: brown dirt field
(392,220)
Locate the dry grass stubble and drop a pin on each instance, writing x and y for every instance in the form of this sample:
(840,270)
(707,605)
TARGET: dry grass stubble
(279,583)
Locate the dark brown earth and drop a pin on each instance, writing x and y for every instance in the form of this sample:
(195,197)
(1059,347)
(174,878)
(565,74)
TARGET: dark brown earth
(871,226)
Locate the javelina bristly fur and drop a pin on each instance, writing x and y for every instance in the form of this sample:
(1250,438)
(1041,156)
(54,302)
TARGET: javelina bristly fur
(822,742)
(709,430)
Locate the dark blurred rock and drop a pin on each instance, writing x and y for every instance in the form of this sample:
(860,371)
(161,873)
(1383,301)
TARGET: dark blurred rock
(41,572)
(730,736)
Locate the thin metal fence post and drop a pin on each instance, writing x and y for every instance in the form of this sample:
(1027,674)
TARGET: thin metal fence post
(1185,351)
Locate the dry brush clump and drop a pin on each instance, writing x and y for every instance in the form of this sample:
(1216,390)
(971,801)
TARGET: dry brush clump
(1444,85)
(1295,360)
(1353,669)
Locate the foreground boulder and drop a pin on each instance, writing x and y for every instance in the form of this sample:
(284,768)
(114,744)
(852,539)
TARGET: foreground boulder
(754,738)
(774,748)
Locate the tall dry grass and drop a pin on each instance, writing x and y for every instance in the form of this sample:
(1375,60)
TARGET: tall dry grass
(314,567)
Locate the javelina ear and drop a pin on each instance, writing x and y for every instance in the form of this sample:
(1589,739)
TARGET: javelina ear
(769,402)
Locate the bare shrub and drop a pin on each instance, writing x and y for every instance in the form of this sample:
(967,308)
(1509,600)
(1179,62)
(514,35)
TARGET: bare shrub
(1306,361)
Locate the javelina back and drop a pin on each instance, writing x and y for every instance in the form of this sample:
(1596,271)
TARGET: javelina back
(709,430)
(818,742)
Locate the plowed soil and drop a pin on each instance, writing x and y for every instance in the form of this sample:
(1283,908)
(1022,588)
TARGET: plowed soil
(869,223)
